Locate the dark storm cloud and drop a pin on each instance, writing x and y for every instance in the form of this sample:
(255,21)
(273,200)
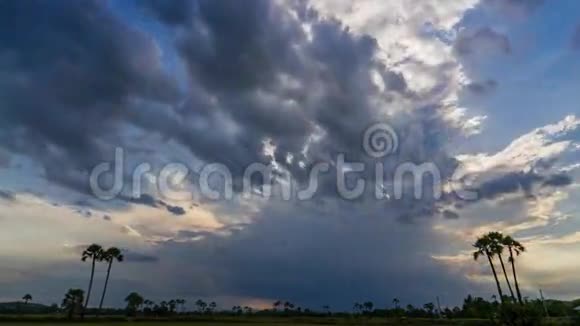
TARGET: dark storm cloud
(148,200)
(85,213)
(175,210)
(509,183)
(7,195)
(237,54)
(175,12)
(558,180)
(520,182)
(69,72)
(483,41)
(254,59)
(483,87)
(257,75)
(144,199)
(451,215)
(318,257)
(135,257)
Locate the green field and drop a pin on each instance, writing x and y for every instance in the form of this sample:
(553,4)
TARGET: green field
(360,322)
(255,321)
(281,323)
(145,324)
(263,322)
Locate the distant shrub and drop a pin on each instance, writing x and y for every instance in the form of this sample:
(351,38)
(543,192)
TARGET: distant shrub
(513,314)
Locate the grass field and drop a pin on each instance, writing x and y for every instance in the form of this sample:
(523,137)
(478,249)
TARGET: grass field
(147,324)
(244,321)
(288,323)
(263,322)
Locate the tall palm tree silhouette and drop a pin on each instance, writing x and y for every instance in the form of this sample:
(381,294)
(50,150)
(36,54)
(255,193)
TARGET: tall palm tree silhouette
(497,246)
(484,248)
(93,252)
(518,248)
(109,256)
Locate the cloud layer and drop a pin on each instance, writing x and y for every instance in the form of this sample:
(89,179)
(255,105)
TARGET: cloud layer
(292,83)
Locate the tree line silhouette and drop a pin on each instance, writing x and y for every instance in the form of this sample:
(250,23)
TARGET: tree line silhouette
(511,308)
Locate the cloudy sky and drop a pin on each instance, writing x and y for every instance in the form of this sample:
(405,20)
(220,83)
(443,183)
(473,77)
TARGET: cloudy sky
(486,90)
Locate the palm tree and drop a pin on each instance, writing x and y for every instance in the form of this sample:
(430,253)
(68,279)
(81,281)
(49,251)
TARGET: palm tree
(429,307)
(288,306)
(497,248)
(201,305)
(368,306)
(109,256)
(27,298)
(483,246)
(518,248)
(396,303)
(95,253)
(357,307)
(212,306)
(73,302)
(276,304)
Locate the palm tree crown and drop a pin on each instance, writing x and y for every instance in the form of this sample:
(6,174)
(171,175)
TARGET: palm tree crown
(93,251)
(113,253)
(27,298)
(516,246)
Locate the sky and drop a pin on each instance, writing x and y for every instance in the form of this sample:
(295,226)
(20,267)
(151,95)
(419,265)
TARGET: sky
(134,124)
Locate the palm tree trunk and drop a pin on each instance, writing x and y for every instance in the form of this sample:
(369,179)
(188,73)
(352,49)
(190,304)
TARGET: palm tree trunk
(506,278)
(515,277)
(89,290)
(495,276)
(105,287)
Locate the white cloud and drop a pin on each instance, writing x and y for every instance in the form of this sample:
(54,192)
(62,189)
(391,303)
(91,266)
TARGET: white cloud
(416,40)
